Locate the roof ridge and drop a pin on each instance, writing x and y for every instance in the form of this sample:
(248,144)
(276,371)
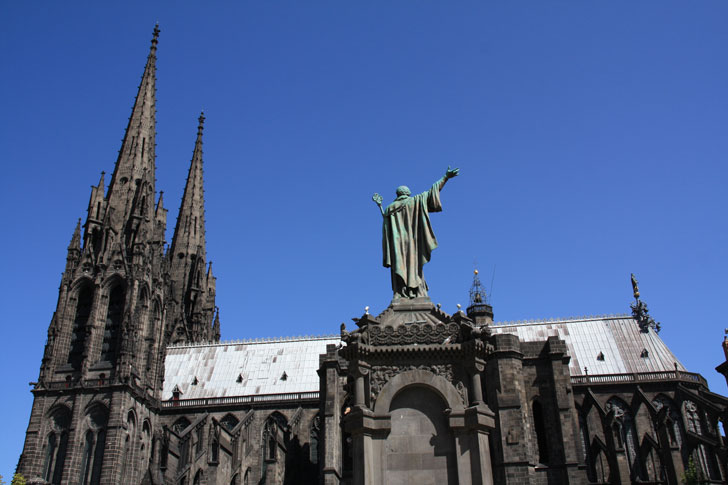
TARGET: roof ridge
(259,340)
(583,318)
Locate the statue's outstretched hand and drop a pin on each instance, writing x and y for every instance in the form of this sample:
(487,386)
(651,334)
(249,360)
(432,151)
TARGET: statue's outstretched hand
(377,198)
(452,172)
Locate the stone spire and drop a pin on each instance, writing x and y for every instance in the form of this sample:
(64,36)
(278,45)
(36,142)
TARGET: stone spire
(131,191)
(189,233)
(193,286)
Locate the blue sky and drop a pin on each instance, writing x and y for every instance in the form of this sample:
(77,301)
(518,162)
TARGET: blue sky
(591,136)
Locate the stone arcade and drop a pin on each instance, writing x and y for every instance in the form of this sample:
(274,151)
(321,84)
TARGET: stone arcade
(135,387)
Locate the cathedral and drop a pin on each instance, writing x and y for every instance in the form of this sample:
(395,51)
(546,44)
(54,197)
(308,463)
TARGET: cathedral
(135,386)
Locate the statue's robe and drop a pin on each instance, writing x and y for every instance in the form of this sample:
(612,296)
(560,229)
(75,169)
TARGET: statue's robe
(408,240)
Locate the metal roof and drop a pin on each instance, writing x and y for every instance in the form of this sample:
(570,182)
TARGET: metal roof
(247,368)
(617,338)
(244,368)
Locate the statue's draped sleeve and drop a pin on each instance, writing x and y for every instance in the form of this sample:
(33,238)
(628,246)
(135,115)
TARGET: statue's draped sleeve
(407,235)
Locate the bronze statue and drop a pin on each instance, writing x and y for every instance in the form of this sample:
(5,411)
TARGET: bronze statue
(407,236)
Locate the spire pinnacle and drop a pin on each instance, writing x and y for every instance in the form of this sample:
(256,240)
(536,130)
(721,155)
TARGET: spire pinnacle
(201,123)
(216,326)
(76,238)
(155,38)
(133,180)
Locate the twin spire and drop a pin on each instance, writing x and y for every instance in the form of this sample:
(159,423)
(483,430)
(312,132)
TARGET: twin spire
(129,204)
(127,228)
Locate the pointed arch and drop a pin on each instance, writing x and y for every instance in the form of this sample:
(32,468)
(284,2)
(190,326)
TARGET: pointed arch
(199,478)
(56,444)
(128,455)
(273,436)
(214,443)
(96,421)
(84,297)
(145,447)
(600,470)
(114,315)
(644,415)
(652,462)
(625,433)
(666,407)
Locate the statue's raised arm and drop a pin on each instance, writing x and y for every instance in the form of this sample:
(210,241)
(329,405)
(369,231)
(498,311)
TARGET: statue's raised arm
(407,236)
(449,173)
(378,200)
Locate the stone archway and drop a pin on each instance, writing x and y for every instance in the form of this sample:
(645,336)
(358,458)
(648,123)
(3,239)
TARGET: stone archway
(420,448)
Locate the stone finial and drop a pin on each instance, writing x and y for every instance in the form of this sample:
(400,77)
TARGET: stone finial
(155,37)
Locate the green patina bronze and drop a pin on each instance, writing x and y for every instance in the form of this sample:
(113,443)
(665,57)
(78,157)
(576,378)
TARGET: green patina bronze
(408,238)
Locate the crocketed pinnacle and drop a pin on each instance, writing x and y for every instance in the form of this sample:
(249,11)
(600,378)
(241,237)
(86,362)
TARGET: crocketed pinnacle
(76,238)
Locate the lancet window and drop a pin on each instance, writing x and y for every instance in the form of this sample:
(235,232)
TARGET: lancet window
(84,300)
(94,446)
(56,446)
(114,315)
(625,434)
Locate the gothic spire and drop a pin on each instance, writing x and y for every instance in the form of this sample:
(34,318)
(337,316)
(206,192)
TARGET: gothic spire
(189,233)
(132,183)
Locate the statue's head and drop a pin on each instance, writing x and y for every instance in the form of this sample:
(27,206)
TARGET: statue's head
(403,190)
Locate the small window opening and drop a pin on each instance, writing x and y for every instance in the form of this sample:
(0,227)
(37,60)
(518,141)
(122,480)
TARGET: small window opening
(284,376)
(239,379)
(645,354)
(600,356)
(195,381)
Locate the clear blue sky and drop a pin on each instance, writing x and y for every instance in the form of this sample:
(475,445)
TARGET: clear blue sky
(592,139)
